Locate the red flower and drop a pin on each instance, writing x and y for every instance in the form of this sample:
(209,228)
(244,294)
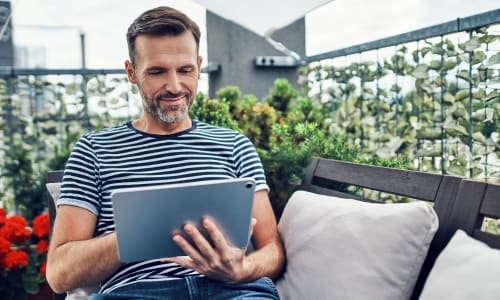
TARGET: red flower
(15,230)
(41,225)
(4,246)
(43,268)
(42,246)
(18,220)
(15,259)
(3,216)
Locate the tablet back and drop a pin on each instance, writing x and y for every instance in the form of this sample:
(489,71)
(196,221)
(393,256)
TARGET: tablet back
(146,217)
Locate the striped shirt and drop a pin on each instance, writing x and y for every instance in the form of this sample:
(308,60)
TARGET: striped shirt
(122,156)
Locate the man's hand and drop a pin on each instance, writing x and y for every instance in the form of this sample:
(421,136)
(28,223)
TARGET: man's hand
(217,258)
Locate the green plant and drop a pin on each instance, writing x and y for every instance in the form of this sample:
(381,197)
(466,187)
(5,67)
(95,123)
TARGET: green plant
(215,112)
(23,181)
(281,96)
(292,148)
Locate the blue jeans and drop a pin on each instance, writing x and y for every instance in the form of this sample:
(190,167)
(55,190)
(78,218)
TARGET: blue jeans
(194,288)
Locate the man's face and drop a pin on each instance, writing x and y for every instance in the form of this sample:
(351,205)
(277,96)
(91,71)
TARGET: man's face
(166,72)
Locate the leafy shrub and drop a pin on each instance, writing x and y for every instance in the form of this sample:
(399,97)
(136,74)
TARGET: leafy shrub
(25,182)
(212,111)
(287,132)
(255,119)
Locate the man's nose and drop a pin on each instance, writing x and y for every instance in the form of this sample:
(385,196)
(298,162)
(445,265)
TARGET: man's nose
(172,83)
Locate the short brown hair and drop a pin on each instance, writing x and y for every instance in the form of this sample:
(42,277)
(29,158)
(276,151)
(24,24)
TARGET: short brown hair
(160,21)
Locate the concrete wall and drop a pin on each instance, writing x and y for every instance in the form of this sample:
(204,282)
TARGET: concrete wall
(6,45)
(235,49)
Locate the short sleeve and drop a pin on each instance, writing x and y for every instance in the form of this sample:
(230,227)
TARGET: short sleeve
(247,162)
(80,185)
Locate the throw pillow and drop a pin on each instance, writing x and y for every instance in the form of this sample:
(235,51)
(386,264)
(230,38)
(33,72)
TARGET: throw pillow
(346,249)
(465,269)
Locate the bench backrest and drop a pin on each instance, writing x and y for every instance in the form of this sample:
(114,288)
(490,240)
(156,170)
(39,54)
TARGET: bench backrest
(476,201)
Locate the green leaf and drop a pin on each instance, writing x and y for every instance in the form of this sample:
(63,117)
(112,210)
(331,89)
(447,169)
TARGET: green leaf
(493,60)
(462,94)
(440,82)
(489,38)
(457,170)
(463,74)
(455,130)
(478,57)
(479,137)
(448,98)
(420,72)
(434,152)
(493,95)
(449,64)
(429,134)
(425,50)
(484,114)
(472,44)
(435,65)
(437,50)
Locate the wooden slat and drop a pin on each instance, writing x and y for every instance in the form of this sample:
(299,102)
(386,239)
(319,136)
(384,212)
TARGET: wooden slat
(401,182)
(448,190)
(491,202)
(443,206)
(328,192)
(490,239)
(466,215)
(309,174)
(54,176)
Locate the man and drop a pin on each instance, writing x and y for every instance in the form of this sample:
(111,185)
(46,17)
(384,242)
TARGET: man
(163,146)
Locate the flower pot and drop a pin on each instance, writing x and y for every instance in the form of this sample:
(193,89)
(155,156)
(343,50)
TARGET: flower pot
(45,293)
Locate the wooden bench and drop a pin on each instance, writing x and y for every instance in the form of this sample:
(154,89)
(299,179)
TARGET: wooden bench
(459,203)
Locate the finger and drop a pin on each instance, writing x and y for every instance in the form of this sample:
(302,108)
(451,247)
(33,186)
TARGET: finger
(199,240)
(215,234)
(188,249)
(184,261)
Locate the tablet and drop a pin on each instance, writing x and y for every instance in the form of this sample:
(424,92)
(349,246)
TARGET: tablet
(147,217)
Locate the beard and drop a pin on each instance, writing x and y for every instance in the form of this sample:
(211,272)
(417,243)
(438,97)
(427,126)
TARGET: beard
(168,114)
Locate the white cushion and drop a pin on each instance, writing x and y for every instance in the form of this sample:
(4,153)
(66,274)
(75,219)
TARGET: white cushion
(82,293)
(345,249)
(54,189)
(465,269)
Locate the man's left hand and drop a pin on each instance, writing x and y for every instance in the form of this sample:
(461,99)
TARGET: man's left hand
(218,259)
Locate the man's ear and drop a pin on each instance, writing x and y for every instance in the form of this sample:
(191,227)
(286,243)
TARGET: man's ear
(130,71)
(200,60)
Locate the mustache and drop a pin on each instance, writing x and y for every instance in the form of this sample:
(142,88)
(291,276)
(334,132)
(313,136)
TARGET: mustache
(169,95)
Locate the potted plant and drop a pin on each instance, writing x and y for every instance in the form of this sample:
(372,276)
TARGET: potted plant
(23,252)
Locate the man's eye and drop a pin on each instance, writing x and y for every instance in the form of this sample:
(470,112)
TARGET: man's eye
(154,72)
(185,70)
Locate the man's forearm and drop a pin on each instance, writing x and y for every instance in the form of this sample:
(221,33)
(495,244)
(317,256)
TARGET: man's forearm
(267,261)
(82,263)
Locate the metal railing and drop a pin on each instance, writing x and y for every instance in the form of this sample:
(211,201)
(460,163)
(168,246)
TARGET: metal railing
(399,78)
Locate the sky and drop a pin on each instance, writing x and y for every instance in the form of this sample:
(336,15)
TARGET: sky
(53,27)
